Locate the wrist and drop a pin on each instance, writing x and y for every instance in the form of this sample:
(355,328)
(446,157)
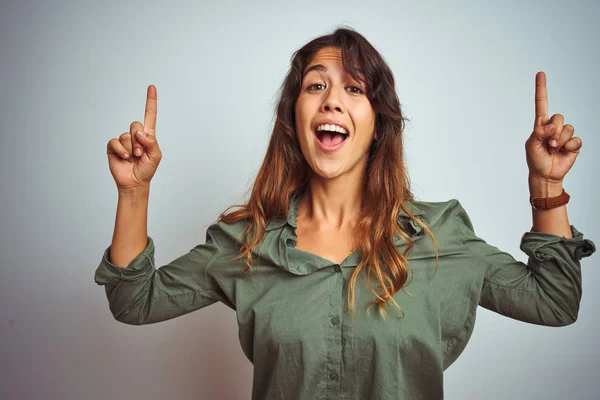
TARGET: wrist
(543,187)
(141,191)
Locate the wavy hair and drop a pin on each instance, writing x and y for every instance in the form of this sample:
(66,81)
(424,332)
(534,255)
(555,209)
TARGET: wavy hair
(284,170)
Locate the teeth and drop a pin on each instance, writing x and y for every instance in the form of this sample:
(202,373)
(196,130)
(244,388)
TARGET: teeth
(332,128)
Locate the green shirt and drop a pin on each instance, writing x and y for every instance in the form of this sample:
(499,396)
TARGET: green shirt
(294,325)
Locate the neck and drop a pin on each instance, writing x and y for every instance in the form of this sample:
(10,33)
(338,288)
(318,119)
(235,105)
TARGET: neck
(333,203)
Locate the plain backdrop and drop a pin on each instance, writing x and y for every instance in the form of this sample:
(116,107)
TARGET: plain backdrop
(73,75)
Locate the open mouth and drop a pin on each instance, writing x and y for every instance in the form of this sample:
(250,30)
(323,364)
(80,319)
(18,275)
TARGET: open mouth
(330,135)
(330,138)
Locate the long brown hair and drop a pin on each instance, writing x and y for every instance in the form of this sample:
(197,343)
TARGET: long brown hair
(284,171)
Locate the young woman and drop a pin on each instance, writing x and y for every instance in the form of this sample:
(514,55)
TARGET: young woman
(344,286)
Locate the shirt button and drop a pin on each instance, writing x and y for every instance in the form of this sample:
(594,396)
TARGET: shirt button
(335,320)
(337,268)
(333,376)
(290,242)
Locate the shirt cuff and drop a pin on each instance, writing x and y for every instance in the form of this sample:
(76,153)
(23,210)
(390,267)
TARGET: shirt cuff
(542,246)
(141,265)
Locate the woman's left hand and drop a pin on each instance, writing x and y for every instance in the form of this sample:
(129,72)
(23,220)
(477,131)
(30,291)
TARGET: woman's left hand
(551,149)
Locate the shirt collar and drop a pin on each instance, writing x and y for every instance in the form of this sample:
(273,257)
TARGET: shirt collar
(302,263)
(406,221)
(403,217)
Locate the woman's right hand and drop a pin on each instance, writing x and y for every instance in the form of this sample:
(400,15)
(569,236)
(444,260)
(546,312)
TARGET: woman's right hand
(132,159)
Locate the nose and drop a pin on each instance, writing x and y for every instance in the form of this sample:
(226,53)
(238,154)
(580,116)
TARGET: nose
(332,101)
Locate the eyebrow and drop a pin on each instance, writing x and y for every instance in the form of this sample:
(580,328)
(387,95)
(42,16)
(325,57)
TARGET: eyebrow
(322,68)
(316,67)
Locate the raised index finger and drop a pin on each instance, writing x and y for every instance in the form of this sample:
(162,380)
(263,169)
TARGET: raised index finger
(541,99)
(151,109)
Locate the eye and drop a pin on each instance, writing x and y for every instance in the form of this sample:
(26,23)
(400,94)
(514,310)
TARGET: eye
(356,90)
(314,86)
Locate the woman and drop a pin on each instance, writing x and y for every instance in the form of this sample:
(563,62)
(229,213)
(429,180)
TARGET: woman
(331,228)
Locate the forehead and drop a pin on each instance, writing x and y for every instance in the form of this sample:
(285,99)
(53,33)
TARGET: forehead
(322,58)
(327,56)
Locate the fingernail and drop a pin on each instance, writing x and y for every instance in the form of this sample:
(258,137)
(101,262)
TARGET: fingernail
(141,134)
(138,152)
(549,128)
(553,143)
(126,155)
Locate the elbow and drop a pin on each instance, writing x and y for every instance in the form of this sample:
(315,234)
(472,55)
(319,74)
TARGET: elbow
(567,319)
(128,320)
(560,310)
(130,316)
(131,307)
(564,317)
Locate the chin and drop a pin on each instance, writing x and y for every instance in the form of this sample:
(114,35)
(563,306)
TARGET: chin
(328,170)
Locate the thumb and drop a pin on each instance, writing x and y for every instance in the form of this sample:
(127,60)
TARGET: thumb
(149,143)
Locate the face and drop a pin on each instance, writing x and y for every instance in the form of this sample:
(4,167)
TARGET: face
(335,122)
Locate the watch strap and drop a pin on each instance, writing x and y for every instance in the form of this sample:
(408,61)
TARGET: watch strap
(546,203)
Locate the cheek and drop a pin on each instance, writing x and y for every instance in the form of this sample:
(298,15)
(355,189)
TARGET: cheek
(366,123)
(303,115)
(300,115)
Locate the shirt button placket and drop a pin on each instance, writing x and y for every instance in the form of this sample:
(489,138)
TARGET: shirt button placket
(334,339)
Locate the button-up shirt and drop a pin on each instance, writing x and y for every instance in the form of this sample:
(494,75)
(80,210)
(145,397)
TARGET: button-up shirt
(292,312)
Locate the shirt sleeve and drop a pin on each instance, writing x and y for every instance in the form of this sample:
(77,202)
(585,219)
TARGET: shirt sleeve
(545,291)
(141,294)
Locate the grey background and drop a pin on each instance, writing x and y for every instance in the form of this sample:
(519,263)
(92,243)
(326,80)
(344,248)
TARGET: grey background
(73,75)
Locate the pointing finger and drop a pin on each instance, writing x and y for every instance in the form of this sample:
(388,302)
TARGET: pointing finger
(151,109)
(541,99)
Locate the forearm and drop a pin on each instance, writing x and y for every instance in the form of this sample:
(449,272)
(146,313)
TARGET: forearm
(131,227)
(555,220)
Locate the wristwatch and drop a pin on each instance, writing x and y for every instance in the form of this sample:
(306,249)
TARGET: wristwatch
(546,203)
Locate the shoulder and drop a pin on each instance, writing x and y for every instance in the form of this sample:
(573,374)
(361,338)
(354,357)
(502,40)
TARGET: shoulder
(449,214)
(225,235)
(438,210)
